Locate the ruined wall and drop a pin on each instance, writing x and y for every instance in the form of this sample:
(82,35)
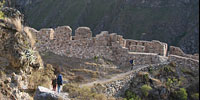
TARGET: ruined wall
(108,45)
(177,51)
(147,46)
(184,61)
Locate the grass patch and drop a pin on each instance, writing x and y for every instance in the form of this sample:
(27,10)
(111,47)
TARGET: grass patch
(195,96)
(84,93)
(182,94)
(131,96)
(145,90)
(94,74)
(42,77)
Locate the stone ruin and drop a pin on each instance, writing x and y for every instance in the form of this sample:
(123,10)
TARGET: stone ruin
(107,45)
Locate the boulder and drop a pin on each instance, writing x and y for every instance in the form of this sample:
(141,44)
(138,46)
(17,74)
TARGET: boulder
(43,93)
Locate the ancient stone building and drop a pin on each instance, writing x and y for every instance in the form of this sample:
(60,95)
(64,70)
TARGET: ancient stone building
(107,45)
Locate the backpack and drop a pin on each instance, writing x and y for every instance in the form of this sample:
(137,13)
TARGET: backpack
(59,80)
(131,61)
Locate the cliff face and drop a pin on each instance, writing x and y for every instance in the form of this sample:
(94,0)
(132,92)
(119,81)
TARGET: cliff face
(173,21)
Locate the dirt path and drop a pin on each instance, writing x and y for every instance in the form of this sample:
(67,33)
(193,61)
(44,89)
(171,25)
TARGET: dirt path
(122,75)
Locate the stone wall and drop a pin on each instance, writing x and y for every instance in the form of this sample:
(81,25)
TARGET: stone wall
(177,51)
(119,86)
(147,46)
(184,61)
(108,45)
(83,33)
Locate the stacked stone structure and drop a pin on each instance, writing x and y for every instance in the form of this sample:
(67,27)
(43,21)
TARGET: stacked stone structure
(177,51)
(107,45)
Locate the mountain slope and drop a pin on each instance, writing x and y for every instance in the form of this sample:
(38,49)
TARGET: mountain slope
(173,21)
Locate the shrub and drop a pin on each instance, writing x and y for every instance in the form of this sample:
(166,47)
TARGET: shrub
(1,6)
(131,96)
(173,64)
(169,83)
(96,58)
(168,69)
(145,90)
(146,77)
(150,69)
(195,96)
(182,94)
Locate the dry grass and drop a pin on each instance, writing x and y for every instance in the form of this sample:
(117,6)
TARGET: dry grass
(42,77)
(142,73)
(92,64)
(94,74)
(32,40)
(84,93)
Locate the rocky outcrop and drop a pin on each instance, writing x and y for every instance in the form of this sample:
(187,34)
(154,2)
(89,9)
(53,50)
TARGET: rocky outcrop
(17,56)
(43,93)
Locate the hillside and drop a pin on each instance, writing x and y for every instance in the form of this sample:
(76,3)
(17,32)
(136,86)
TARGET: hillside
(93,68)
(173,21)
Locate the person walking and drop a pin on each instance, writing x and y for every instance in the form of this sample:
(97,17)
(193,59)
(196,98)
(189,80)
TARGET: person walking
(132,63)
(59,82)
(54,83)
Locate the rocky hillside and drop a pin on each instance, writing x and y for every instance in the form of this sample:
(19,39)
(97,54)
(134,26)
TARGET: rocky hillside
(173,21)
(21,67)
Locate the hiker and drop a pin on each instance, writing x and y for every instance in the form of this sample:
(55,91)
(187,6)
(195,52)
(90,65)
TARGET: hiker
(54,83)
(59,82)
(132,63)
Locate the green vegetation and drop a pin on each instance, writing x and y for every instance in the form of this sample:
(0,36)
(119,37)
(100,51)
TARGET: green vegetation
(195,96)
(1,6)
(145,90)
(96,58)
(131,96)
(28,57)
(182,94)
(168,69)
(150,69)
(169,83)
(146,77)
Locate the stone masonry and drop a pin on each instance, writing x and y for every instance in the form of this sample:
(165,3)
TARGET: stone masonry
(118,86)
(107,45)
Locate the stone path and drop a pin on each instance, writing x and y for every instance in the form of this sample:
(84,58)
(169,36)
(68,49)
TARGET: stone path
(122,75)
